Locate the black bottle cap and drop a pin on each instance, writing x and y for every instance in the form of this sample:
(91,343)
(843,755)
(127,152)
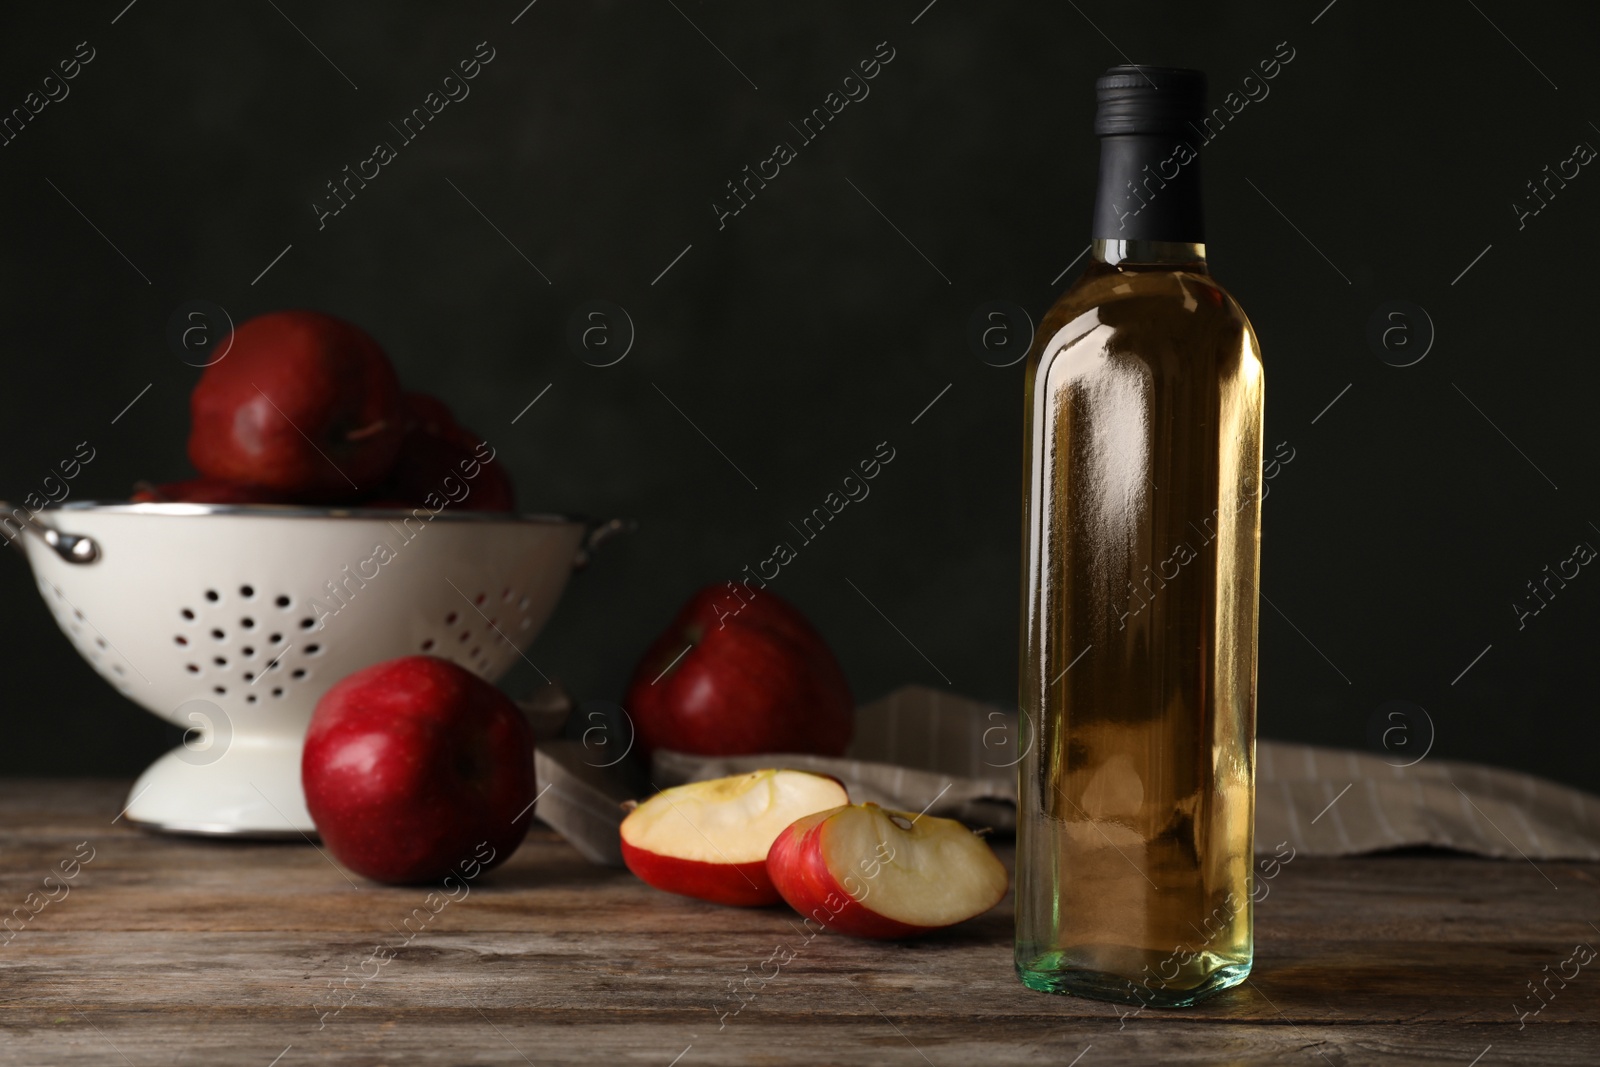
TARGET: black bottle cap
(1149,122)
(1144,100)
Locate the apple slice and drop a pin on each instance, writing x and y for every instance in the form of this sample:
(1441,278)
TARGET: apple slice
(871,872)
(710,839)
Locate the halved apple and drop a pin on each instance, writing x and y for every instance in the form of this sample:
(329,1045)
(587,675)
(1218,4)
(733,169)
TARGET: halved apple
(710,839)
(871,872)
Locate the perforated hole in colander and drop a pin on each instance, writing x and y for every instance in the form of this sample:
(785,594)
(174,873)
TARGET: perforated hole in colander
(86,637)
(458,640)
(212,602)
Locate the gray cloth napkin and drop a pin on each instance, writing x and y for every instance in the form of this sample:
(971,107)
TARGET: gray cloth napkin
(921,749)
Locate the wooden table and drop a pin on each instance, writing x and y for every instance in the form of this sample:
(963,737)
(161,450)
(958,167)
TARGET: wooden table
(167,950)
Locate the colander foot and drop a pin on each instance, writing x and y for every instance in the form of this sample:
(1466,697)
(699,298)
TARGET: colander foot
(249,789)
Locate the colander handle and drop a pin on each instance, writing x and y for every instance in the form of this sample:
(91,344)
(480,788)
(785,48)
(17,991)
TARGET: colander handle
(74,548)
(598,533)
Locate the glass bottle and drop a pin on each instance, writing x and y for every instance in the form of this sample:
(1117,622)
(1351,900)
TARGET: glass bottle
(1141,548)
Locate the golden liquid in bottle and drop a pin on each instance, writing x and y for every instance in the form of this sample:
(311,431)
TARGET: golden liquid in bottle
(1141,557)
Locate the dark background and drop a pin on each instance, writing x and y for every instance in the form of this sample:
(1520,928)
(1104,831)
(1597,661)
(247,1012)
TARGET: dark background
(808,330)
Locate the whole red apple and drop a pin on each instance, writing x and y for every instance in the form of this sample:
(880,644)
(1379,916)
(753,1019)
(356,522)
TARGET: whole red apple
(410,765)
(738,674)
(441,459)
(302,403)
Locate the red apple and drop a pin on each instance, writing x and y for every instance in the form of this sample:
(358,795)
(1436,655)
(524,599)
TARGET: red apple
(444,460)
(303,403)
(871,872)
(411,765)
(205,491)
(741,674)
(710,839)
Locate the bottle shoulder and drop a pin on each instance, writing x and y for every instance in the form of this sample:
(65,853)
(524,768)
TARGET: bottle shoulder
(1145,314)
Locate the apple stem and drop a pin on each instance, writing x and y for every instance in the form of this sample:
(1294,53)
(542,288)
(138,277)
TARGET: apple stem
(368,430)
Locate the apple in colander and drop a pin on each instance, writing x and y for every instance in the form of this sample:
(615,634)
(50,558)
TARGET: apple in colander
(442,463)
(302,403)
(204,491)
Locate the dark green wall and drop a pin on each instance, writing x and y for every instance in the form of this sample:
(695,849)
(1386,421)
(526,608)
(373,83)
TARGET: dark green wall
(810,327)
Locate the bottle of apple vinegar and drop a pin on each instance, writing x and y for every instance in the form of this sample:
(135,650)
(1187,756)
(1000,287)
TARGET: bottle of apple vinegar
(1141,518)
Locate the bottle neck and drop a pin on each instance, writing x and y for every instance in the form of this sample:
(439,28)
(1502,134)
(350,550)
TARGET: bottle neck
(1189,254)
(1149,192)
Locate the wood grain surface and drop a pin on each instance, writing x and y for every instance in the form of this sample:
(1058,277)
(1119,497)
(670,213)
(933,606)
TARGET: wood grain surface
(163,950)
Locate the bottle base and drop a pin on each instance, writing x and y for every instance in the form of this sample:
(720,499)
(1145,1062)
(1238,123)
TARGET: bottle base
(1053,973)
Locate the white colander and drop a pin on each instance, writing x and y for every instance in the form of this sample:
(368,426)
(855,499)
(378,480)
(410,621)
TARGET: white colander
(232,621)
